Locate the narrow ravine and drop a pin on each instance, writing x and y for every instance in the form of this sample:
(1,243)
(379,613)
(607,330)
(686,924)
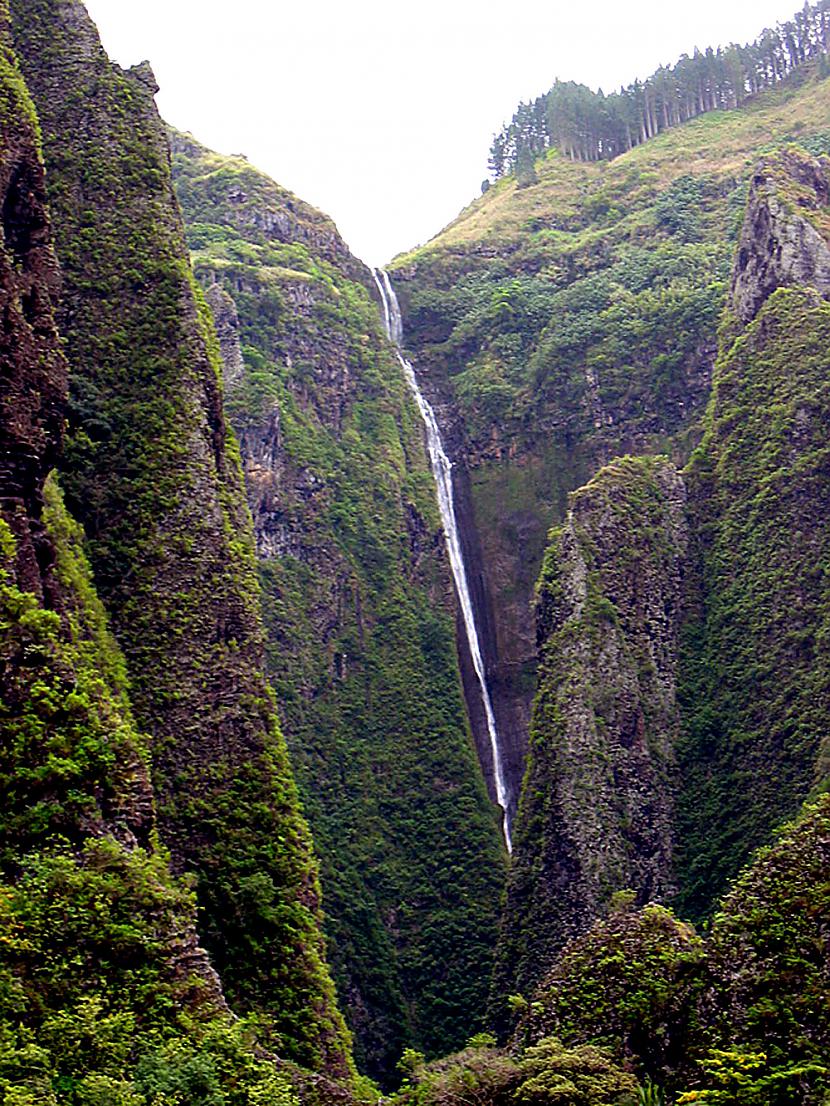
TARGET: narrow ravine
(442,471)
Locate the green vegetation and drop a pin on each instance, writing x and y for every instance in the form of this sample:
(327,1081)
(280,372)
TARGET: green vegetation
(358,614)
(152,473)
(589,126)
(630,985)
(545,1074)
(738,1015)
(755,685)
(71,755)
(98,991)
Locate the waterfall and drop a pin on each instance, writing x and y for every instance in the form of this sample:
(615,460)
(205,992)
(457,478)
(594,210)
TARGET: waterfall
(442,471)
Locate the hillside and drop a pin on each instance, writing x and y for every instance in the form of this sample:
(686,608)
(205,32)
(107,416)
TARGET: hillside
(358,607)
(559,325)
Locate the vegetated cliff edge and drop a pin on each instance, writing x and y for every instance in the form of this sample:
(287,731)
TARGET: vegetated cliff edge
(105,994)
(736,1014)
(755,687)
(359,609)
(152,472)
(561,324)
(682,618)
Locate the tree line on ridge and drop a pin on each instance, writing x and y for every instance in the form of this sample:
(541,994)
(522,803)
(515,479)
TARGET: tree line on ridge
(589,126)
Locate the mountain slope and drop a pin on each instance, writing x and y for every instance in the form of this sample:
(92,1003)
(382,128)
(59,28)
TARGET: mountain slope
(152,472)
(683,692)
(561,324)
(359,609)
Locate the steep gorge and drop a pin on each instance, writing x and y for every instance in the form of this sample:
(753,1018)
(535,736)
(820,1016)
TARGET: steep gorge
(359,609)
(680,701)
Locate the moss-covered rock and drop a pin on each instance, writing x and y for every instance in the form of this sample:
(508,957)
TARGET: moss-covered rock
(632,984)
(755,693)
(597,808)
(101,974)
(152,471)
(358,609)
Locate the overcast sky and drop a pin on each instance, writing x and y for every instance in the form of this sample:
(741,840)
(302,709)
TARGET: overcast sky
(380,112)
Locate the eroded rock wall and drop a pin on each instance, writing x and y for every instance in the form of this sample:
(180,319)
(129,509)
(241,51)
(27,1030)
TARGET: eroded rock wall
(597,808)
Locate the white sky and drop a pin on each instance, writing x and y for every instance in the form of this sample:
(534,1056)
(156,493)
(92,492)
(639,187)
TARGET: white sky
(381,112)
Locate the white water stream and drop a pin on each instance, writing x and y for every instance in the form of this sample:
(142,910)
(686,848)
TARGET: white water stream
(442,471)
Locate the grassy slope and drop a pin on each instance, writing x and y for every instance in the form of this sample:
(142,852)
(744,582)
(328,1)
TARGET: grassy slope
(574,320)
(358,612)
(582,308)
(724,143)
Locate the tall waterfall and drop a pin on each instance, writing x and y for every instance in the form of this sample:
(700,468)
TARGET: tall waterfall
(442,471)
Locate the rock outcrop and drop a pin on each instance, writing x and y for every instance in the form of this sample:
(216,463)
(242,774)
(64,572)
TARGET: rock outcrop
(784,237)
(597,809)
(32,366)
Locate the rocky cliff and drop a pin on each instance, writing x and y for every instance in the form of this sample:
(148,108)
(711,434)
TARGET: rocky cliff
(784,236)
(563,323)
(358,607)
(755,685)
(597,808)
(152,472)
(105,993)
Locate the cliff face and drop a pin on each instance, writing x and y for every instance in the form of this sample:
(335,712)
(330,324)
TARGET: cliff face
(95,934)
(36,574)
(561,324)
(597,807)
(683,682)
(756,692)
(783,240)
(152,473)
(358,608)
(32,368)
